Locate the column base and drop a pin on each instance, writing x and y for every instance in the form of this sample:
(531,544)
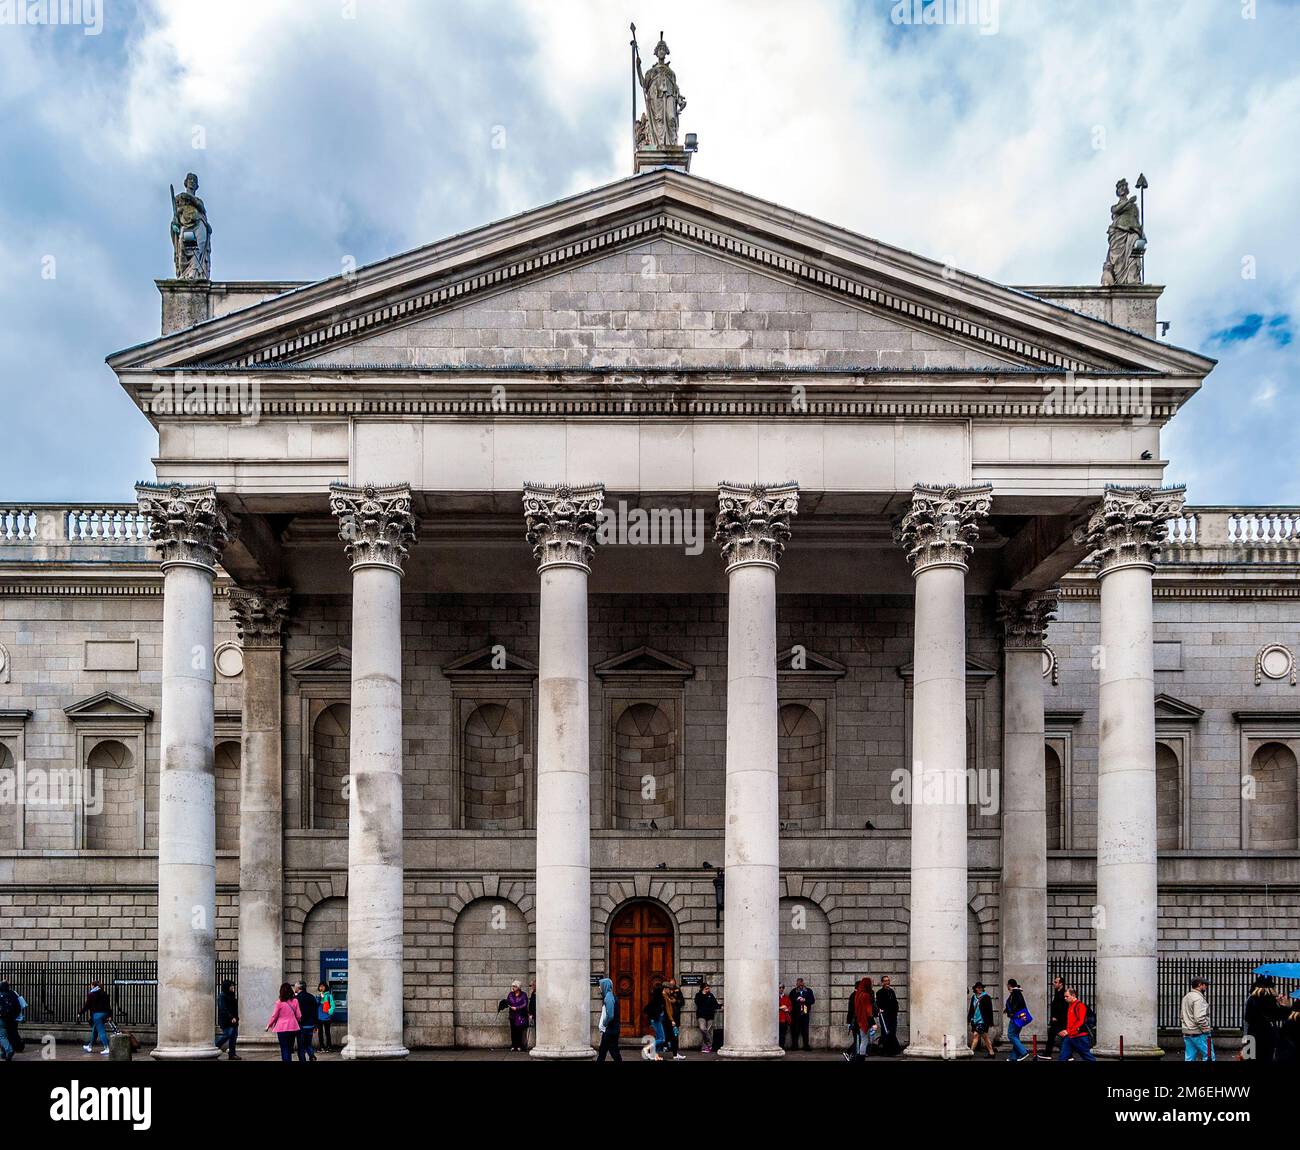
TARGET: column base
(944,1053)
(260,1039)
(556,1053)
(1134,1052)
(178,1053)
(751,1052)
(363,1050)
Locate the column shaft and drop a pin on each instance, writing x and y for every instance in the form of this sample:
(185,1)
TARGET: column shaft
(375,906)
(261,819)
(563,819)
(1127,918)
(937,976)
(1024,807)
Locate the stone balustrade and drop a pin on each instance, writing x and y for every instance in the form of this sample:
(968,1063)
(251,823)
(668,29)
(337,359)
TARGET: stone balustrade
(1236,527)
(101,525)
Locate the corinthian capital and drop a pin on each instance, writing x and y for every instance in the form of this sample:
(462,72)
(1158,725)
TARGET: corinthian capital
(941,526)
(375,523)
(1128,527)
(1024,616)
(562,522)
(259,615)
(754,521)
(186,523)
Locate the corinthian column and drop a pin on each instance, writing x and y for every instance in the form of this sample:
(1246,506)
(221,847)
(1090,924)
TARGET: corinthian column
(1024,617)
(562,524)
(190,529)
(753,527)
(377,528)
(259,615)
(1125,533)
(939,532)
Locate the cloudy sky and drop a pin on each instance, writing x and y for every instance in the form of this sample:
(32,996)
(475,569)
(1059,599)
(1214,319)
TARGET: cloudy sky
(328,131)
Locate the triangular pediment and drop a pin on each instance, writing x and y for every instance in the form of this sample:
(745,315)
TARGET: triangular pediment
(645,663)
(325,666)
(106,705)
(976,672)
(673,245)
(802,661)
(490,662)
(1168,707)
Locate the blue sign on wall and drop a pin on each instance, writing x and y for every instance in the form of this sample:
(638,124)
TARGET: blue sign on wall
(334,974)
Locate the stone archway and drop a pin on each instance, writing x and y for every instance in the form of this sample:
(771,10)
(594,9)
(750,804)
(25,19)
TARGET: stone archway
(806,953)
(641,952)
(491,947)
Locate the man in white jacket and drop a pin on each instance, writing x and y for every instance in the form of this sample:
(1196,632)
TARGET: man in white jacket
(1198,1033)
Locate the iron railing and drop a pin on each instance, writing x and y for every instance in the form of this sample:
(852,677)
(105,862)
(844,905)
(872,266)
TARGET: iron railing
(55,991)
(1230,978)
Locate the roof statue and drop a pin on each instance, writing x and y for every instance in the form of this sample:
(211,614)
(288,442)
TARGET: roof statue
(191,233)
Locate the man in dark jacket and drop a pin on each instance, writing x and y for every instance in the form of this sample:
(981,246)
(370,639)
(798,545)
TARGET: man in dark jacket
(10,1009)
(310,1013)
(100,1009)
(706,1009)
(1056,1014)
(228,1019)
(887,1009)
(979,1016)
(801,1004)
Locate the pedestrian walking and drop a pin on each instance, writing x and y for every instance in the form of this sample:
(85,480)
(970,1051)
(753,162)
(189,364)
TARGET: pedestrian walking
(325,1017)
(517,1005)
(862,1015)
(286,1021)
(1264,1010)
(887,1017)
(783,1011)
(1018,1017)
(10,1010)
(706,1010)
(100,1010)
(654,1012)
(801,1004)
(1076,1037)
(673,1002)
(309,1011)
(228,1020)
(1194,1014)
(979,1018)
(1056,1014)
(608,1026)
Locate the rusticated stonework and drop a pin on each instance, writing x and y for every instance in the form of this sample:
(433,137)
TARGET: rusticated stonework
(562,522)
(1128,526)
(259,615)
(754,521)
(1024,616)
(375,523)
(940,528)
(186,523)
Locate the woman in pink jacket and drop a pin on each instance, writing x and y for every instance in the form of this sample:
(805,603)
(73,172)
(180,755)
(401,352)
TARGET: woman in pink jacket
(286,1019)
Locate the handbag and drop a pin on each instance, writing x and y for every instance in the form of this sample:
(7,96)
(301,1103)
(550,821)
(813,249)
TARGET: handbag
(1022,1018)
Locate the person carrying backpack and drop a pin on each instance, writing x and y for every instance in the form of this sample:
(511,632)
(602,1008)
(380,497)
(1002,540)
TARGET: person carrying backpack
(325,1016)
(1076,1038)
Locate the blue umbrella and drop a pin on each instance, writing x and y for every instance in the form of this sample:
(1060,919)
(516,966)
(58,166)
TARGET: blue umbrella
(1280,969)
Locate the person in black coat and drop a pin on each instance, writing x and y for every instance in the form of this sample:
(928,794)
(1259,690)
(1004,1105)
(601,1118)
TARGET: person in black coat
(1264,1010)
(1056,1014)
(228,1019)
(887,1009)
(10,1009)
(310,1016)
(979,1015)
(801,1004)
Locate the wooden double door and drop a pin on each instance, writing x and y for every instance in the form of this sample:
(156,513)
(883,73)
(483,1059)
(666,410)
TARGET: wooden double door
(641,954)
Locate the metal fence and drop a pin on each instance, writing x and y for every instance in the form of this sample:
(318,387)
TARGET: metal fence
(55,991)
(1230,979)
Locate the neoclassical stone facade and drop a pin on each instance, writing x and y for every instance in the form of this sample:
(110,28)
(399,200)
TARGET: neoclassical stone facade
(656,582)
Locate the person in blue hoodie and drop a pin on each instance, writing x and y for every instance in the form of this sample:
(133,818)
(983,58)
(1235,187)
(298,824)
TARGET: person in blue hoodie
(608,1022)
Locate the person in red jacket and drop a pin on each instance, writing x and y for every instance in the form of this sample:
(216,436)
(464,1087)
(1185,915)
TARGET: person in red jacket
(783,1014)
(1075,1038)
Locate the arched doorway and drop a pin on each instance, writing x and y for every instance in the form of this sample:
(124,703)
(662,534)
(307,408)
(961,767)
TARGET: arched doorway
(640,954)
